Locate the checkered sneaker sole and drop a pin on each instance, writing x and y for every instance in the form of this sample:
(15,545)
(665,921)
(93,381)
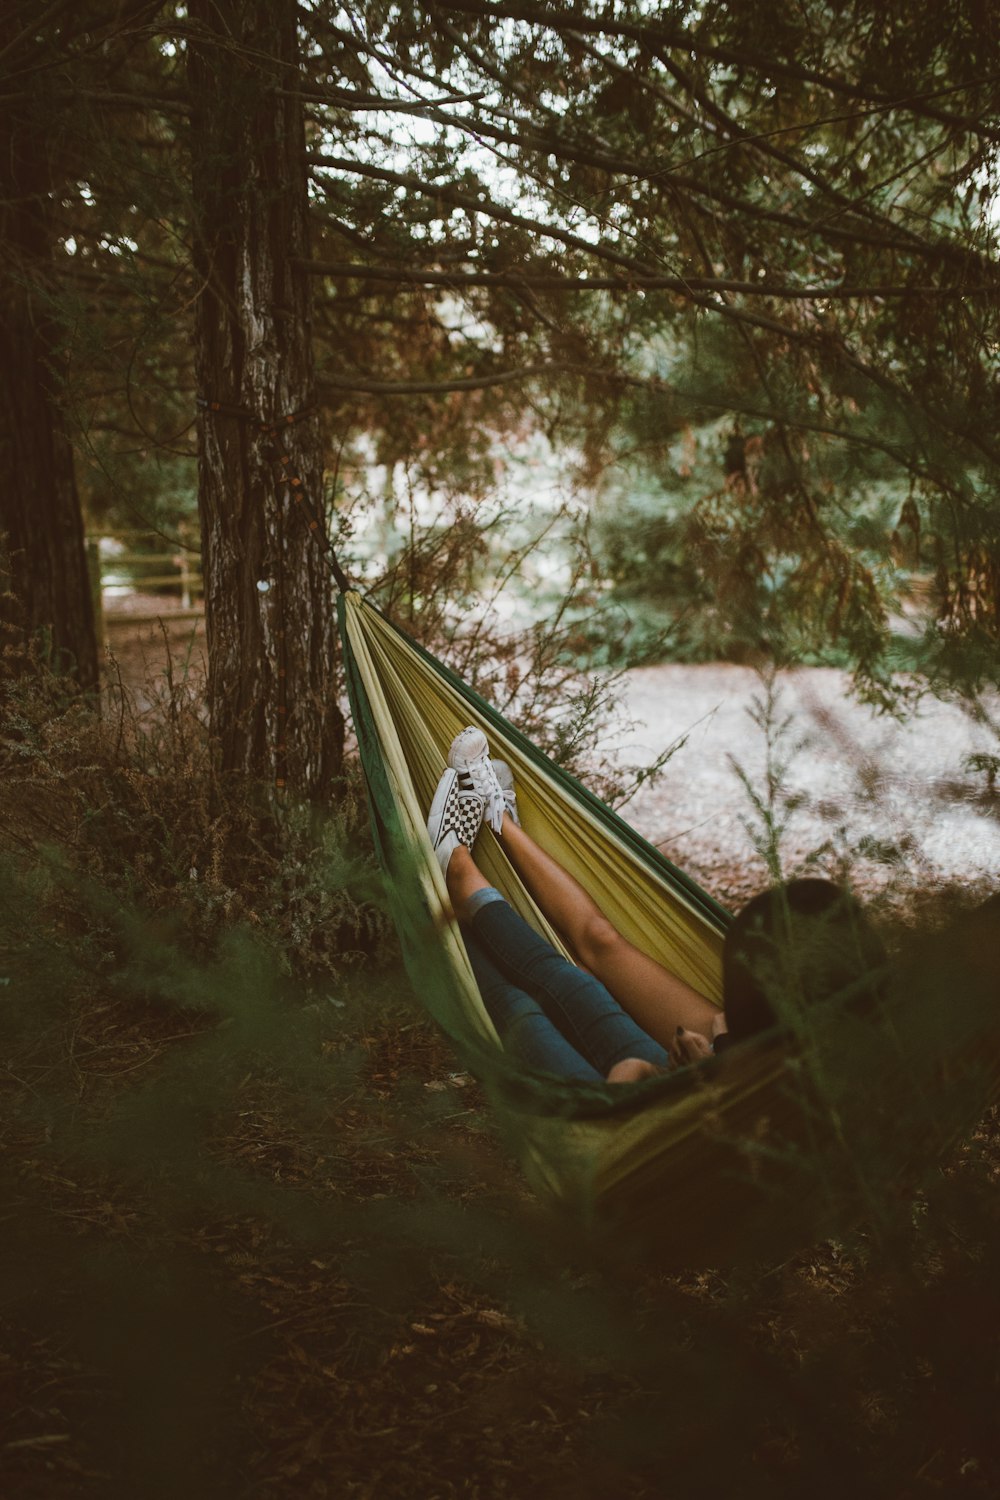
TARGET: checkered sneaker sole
(465,817)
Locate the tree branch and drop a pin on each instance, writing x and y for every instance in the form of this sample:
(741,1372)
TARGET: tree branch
(456,199)
(683,40)
(640,281)
(907,240)
(897,451)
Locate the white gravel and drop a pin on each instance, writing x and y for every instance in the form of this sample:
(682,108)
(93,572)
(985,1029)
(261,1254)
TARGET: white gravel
(861,776)
(894,802)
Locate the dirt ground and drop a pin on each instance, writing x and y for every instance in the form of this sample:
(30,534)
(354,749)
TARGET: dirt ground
(142,638)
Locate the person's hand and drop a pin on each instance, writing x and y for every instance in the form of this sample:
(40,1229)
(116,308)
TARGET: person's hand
(688,1047)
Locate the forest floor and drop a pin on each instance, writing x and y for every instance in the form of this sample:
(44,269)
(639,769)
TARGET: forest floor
(292,1261)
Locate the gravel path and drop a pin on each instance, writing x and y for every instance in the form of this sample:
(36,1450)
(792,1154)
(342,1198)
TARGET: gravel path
(895,802)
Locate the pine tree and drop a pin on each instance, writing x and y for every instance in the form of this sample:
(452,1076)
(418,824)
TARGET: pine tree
(269,591)
(42,557)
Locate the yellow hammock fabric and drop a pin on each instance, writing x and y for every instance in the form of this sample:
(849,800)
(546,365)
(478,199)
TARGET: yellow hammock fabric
(740,1159)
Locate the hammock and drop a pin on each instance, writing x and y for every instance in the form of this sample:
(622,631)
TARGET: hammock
(729,1161)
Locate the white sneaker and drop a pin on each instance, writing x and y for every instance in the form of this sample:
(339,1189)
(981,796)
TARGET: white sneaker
(455,818)
(470,757)
(505,776)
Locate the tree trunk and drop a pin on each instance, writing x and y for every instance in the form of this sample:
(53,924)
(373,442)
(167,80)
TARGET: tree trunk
(44,583)
(269,596)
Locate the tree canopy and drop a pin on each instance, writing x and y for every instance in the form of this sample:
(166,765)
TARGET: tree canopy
(638,218)
(613,223)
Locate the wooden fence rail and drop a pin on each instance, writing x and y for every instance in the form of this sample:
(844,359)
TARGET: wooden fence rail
(125,569)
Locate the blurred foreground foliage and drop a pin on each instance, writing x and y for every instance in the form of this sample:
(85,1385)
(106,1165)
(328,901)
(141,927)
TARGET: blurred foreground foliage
(259,1238)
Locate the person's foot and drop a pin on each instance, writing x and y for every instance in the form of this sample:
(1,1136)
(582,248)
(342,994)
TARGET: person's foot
(505,776)
(470,757)
(455,818)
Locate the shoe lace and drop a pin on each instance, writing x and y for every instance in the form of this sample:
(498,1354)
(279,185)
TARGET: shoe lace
(484,781)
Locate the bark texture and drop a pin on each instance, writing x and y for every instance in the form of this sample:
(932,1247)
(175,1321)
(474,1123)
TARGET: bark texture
(269,596)
(43,565)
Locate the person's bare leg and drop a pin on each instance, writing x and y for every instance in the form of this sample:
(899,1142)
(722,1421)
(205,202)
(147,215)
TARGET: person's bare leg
(656,999)
(463,878)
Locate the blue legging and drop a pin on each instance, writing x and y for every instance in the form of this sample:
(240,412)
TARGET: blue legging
(547,1012)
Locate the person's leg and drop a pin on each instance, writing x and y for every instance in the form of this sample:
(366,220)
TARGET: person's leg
(523,1027)
(545,1009)
(612,1043)
(578,1004)
(655,998)
(464,880)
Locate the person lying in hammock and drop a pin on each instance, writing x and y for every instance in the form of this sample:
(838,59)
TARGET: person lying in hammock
(620,1016)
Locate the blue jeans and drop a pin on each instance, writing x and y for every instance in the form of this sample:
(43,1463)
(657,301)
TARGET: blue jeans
(547,1012)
